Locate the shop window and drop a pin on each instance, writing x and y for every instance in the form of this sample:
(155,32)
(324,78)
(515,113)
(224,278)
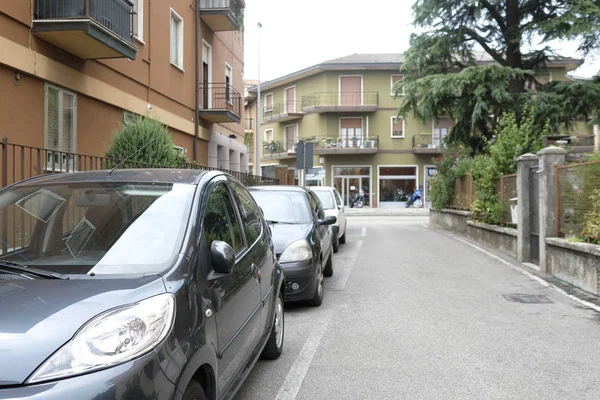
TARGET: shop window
(397,183)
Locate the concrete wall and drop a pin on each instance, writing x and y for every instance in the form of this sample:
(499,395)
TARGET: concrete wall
(497,237)
(450,220)
(574,263)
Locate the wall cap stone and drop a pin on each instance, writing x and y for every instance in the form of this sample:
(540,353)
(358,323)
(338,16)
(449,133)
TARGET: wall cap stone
(494,228)
(587,248)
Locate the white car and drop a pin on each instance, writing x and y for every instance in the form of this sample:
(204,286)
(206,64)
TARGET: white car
(334,206)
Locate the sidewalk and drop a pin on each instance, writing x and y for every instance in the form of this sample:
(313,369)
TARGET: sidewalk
(385,212)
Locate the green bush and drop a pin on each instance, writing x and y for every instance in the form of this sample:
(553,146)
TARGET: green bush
(145,141)
(591,226)
(454,163)
(487,206)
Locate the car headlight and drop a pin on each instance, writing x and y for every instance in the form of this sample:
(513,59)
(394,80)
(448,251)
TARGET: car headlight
(300,250)
(112,338)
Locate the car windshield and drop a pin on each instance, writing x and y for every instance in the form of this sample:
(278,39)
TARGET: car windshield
(101,228)
(285,207)
(326,198)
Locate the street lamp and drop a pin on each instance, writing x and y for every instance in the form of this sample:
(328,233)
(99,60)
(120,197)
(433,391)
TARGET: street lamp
(257,135)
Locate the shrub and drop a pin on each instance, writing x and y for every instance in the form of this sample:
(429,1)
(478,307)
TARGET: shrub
(455,162)
(145,141)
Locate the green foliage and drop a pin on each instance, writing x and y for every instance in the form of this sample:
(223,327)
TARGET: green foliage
(487,206)
(145,141)
(579,190)
(591,227)
(454,163)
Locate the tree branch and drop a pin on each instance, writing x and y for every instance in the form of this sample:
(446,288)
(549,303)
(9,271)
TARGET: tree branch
(483,43)
(495,14)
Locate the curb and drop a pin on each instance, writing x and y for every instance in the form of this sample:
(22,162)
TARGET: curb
(386,212)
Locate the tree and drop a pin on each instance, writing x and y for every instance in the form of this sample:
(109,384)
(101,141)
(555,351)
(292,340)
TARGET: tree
(446,76)
(145,141)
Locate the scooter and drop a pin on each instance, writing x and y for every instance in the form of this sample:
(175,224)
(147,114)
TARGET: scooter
(415,199)
(358,200)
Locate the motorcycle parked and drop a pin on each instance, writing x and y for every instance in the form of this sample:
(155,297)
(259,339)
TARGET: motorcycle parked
(358,200)
(415,199)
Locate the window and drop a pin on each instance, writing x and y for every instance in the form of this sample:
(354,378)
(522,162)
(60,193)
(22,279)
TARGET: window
(393,80)
(176,40)
(228,82)
(138,20)
(268,135)
(398,127)
(180,149)
(60,127)
(128,118)
(397,183)
(338,198)
(220,222)
(269,102)
(250,213)
(316,204)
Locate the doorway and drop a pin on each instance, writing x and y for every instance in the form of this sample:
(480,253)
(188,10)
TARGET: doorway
(349,181)
(206,75)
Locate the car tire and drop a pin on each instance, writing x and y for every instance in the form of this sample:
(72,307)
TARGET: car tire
(328,271)
(194,391)
(336,243)
(317,299)
(274,345)
(343,238)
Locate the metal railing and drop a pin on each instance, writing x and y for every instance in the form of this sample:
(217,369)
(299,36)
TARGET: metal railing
(220,96)
(427,140)
(283,108)
(114,15)
(340,99)
(221,4)
(344,143)
(277,148)
(18,162)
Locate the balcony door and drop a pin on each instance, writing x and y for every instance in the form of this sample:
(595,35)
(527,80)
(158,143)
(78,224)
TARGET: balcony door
(290,137)
(351,132)
(290,100)
(440,130)
(206,75)
(351,91)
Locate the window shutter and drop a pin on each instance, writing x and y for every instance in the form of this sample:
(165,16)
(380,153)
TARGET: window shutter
(53,118)
(66,136)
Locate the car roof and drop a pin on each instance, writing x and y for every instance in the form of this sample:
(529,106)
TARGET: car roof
(322,188)
(278,188)
(162,175)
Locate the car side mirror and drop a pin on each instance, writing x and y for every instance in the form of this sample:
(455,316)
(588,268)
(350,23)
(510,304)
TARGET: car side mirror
(223,258)
(328,220)
(339,207)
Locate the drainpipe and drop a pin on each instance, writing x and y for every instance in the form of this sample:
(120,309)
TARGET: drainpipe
(196,80)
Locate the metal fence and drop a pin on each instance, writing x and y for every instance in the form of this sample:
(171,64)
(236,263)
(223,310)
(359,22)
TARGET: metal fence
(18,162)
(463,197)
(577,200)
(506,188)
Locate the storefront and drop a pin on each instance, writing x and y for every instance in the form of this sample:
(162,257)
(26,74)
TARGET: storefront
(396,184)
(351,180)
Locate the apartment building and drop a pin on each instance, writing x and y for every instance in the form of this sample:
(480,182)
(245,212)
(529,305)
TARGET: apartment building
(346,108)
(72,71)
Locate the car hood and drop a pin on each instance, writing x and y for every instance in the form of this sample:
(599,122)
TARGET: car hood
(38,316)
(284,235)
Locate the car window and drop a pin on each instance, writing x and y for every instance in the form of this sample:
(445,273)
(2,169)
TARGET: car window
(326,198)
(250,212)
(317,205)
(285,206)
(338,198)
(220,222)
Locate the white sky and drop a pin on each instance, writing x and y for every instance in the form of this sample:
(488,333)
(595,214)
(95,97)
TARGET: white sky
(293,37)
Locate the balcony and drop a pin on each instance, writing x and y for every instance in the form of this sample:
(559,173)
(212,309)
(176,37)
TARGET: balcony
(90,29)
(221,15)
(277,150)
(425,143)
(282,112)
(351,102)
(220,103)
(346,145)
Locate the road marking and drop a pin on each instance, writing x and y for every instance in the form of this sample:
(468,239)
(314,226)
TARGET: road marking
(364,231)
(526,273)
(349,262)
(295,377)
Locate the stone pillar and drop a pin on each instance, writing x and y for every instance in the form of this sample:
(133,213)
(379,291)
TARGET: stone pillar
(524,164)
(234,160)
(596,138)
(222,157)
(548,158)
(245,162)
(212,154)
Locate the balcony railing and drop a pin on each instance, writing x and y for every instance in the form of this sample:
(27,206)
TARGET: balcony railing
(340,102)
(427,143)
(220,102)
(222,15)
(365,144)
(284,111)
(53,18)
(280,149)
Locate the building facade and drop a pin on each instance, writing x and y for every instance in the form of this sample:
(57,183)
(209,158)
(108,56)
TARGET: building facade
(346,107)
(72,71)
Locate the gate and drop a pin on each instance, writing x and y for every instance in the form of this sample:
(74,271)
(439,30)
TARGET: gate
(534,212)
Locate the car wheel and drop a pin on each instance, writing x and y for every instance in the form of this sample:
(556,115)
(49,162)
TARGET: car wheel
(328,271)
(194,391)
(274,345)
(343,238)
(318,296)
(336,242)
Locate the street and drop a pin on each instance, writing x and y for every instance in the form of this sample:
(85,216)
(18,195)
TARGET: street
(411,313)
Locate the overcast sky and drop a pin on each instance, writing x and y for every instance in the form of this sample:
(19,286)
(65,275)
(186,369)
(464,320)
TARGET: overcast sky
(296,35)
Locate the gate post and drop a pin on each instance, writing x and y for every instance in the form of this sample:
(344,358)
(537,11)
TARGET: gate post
(549,156)
(524,164)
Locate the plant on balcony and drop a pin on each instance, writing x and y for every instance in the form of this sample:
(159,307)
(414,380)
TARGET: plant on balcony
(238,12)
(274,147)
(145,141)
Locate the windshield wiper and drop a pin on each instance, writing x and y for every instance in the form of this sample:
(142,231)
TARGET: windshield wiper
(278,222)
(16,267)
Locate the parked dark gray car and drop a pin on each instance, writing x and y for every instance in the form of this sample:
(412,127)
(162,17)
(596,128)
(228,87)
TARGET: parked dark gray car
(303,238)
(135,284)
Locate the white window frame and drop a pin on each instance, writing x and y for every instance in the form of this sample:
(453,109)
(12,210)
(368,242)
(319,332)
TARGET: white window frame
(434,127)
(73,150)
(138,7)
(272,101)
(272,135)
(292,150)
(392,84)
(207,57)
(393,177)
(393,118)
(128,117)
(229,73)
(180,36)
(180,149)
(285,99)
(364,134)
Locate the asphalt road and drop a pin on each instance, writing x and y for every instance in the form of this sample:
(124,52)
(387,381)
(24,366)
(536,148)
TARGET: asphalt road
(411,313)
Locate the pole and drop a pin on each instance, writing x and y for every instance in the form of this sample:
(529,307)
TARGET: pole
(257,134)
(196,80)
